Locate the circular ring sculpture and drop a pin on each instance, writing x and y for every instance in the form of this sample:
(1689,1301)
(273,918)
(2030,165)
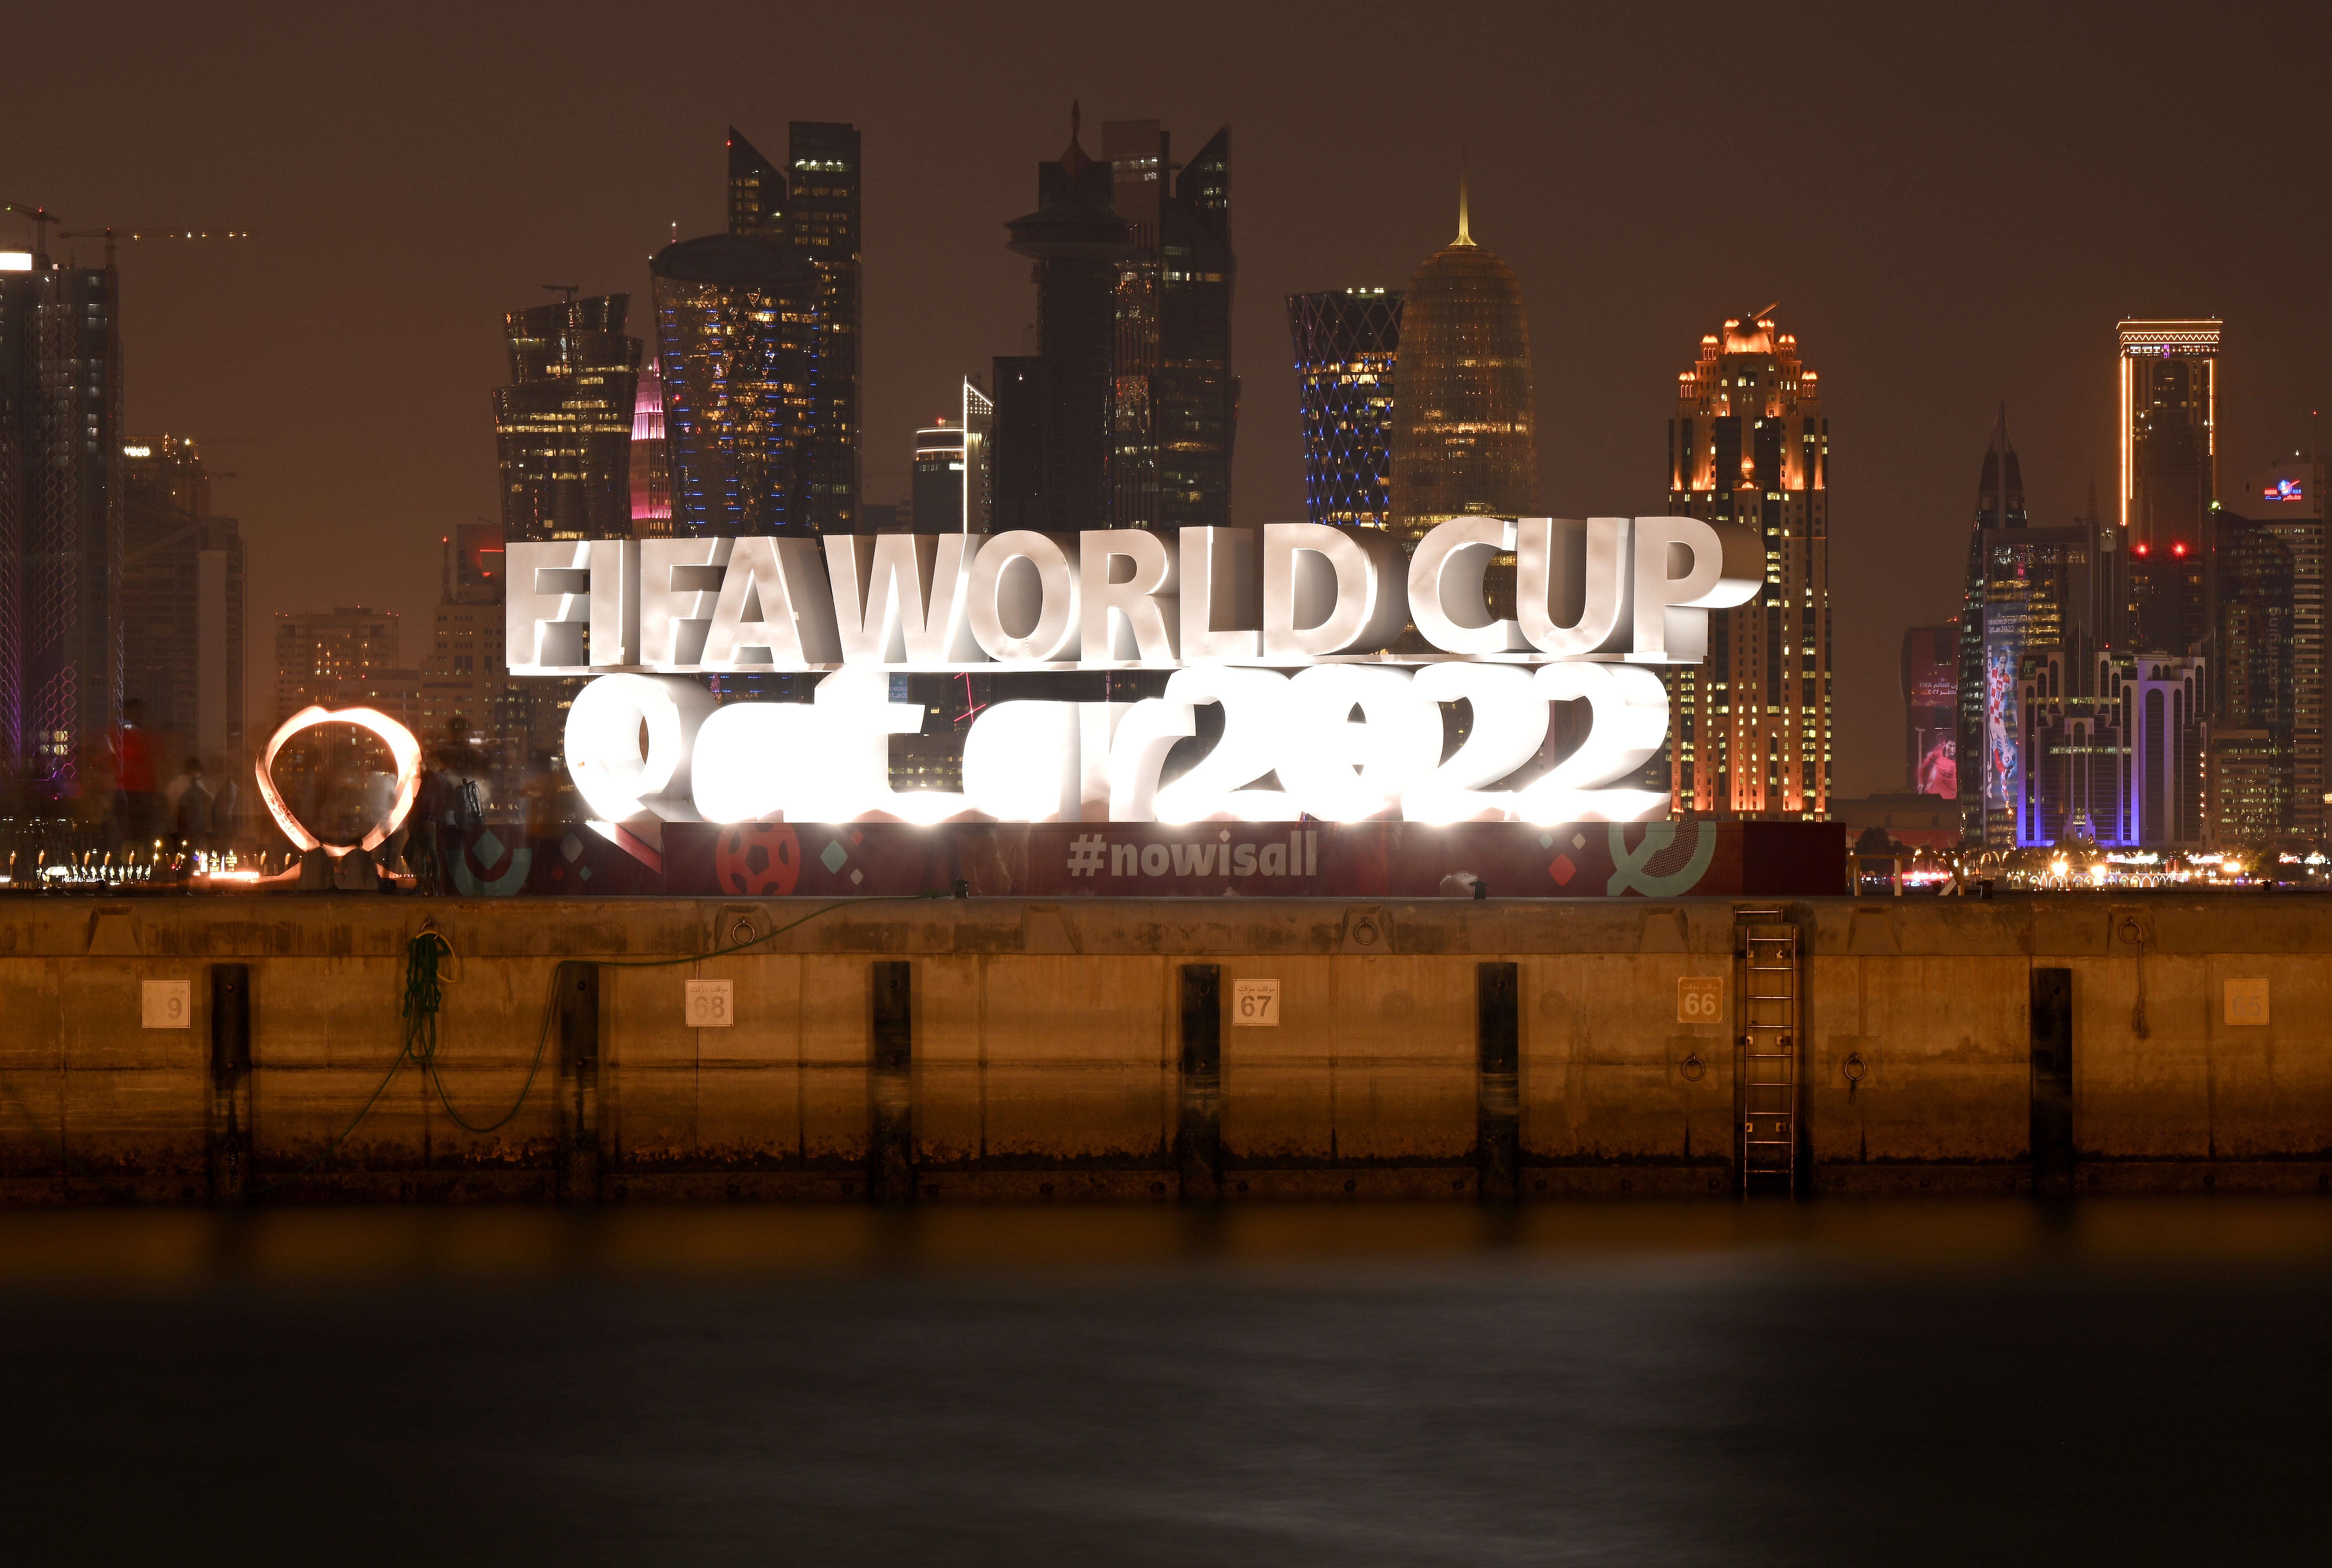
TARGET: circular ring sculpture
(402,747)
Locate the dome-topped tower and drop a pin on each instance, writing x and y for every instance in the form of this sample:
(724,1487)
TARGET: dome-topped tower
(1464,432)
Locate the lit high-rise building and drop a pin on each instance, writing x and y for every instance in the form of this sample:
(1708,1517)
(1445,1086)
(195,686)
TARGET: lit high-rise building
(465,674)
(2028,591)
(563,427)
(651,457)
(1464,426)
(1174,402)
(2113,755)
(2271,561)
(61,519)
(316,652)
(1750,727)
(938,494)
(1054,409)
(736,318)
(812,205)
(1346,343)
(979,452)
(182,605)
(2168,435)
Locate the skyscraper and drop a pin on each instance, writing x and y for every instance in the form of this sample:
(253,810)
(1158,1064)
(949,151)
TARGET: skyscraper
(979,454)
(61,518)
(1346,343)
(2028,591)
(813,206)
(1174,402)
(2113,755)
(2169,477)
(1054,418)
(651,457)
(465,673)
(563,427)
(315,653)
(939,475)
(181,604)
(736,317)
(1463,426)
(1022,443)
(1750,727)
(2270,559)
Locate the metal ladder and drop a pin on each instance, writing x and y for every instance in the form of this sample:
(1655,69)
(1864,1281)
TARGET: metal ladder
(1769,1051)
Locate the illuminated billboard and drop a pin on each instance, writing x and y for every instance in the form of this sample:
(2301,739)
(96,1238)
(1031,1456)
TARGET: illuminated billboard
(1999,726)
(1930,685)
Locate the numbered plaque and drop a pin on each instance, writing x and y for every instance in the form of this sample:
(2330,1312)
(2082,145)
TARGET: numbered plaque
(166,1005)
(2246,1001)
(711,1004)
(1254,1003)
(1700,999)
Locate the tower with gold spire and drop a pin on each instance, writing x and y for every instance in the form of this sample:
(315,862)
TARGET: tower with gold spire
(1464,429)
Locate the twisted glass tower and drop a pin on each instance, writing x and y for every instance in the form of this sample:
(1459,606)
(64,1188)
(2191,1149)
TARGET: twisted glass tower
(736,325)
(1463,433)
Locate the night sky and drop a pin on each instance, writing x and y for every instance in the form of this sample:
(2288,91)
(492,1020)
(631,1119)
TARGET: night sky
(1951,204)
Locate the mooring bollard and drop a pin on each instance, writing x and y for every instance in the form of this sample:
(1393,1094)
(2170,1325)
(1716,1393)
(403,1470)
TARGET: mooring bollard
(1497,1024)
(579,1083)
(1199,1135)
(891,1146)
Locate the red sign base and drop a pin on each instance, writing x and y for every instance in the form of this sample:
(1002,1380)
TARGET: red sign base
(1696,859)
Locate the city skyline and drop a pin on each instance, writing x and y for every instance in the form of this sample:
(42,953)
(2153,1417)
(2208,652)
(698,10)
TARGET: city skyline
(210,336)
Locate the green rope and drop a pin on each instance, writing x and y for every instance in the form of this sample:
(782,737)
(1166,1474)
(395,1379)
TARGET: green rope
(425,998)
(423,1002)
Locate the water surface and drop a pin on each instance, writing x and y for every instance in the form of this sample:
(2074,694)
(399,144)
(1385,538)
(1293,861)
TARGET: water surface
(1873,1383)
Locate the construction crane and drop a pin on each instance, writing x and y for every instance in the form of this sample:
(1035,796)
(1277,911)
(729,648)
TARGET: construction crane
(42,219)
(112,234)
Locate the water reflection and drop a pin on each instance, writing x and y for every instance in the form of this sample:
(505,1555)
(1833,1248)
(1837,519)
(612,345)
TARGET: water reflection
(748,1241)
(1712,1384)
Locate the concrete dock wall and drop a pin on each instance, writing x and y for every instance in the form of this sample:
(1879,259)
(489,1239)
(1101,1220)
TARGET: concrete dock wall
(1031,1049)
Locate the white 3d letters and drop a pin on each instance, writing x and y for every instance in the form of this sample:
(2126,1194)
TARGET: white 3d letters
(1573,590)
(1023,598)
(774,610)
(604,729)
(1354,735)
(1137,617)
(902,598)
(1342,771)
(1445,586)
(1722,564)
(1329,590)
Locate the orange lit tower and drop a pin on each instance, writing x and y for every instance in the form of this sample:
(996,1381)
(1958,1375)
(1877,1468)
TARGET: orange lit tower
(1749,730)
(1464,432)
(2169,442)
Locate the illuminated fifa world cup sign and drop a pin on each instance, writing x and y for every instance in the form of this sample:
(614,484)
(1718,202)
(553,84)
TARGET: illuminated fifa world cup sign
(1282,628)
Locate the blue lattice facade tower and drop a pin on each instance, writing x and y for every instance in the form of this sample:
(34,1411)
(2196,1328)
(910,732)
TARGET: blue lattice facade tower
(1346,344)
(60,522)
